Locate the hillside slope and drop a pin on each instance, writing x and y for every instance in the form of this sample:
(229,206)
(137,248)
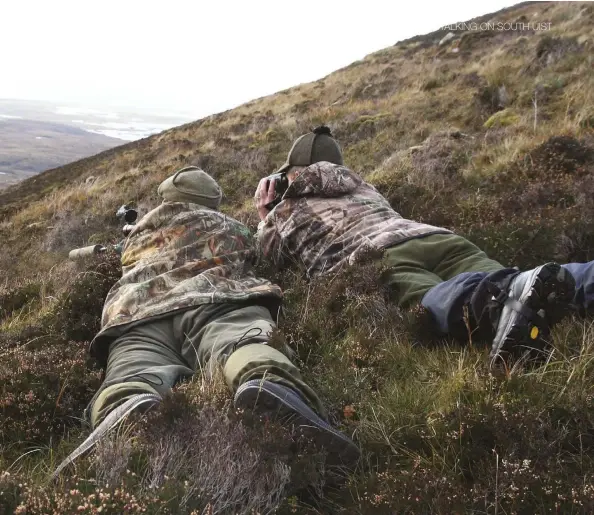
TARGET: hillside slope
(490,134)
(378,108)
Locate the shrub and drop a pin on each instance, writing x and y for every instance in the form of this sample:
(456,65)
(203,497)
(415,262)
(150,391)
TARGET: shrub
(17,297)
(72,230)
(193,454)
(45,389)
(551,49)
(77,314)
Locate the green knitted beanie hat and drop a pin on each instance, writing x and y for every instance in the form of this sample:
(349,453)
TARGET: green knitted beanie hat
(191,184)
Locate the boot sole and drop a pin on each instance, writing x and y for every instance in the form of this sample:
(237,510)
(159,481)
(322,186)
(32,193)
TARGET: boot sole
(548,291)
(270,399)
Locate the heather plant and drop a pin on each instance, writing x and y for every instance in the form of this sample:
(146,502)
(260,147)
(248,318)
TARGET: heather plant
(439,433)
(77,313)
(45,389)
(18,297)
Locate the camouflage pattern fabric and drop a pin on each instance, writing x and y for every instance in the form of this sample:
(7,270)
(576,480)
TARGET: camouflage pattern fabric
(328,217)
(178,256)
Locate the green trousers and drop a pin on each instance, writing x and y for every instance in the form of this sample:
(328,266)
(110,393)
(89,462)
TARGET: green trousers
(153,357)
(417,265)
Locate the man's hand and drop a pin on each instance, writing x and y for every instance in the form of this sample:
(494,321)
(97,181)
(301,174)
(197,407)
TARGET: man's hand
(264,195)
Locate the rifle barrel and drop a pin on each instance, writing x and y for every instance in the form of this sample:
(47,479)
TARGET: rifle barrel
(84,252)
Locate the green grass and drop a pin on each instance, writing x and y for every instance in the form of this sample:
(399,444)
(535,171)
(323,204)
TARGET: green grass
(439,433)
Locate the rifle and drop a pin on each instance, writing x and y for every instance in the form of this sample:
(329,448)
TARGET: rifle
(124,213)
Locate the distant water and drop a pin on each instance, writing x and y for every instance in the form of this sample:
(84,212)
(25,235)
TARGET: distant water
(126,123)
(118,125)
(130,131)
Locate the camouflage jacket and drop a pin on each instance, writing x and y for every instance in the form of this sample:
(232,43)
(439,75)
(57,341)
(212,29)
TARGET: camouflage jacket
(179,256)
(328,217)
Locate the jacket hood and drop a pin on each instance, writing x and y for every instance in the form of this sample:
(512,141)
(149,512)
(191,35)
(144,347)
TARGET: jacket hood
(324,179)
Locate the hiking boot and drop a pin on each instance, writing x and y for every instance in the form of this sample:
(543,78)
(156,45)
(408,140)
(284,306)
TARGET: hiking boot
(286,405)
(140,402)
(530,305)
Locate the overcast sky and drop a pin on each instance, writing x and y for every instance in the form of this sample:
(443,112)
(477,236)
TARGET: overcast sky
(197,56)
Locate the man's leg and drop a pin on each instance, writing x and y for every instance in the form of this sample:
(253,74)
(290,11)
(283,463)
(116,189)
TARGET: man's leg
(516,309)
(439,271)
(472,283)
(235,337)
(453,255)
(143,364)
(419,264)
(583,274)
(262,377)
(408,276)
(146,359)
(461,265)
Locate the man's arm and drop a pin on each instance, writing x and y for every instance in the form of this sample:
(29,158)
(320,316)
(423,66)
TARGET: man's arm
(269,242)
(268,238)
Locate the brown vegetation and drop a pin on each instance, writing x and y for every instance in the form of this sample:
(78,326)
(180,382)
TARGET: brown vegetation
(438,433)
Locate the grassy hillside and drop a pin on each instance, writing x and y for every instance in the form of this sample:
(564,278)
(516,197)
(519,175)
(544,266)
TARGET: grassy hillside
(489,134)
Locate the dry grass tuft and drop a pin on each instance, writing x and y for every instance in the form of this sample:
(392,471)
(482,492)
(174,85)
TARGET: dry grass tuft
(439,434)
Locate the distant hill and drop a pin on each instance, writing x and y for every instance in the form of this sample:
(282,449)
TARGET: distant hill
(28,147)
(36,135)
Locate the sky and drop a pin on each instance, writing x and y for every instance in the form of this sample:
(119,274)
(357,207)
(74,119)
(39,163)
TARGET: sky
(198,57)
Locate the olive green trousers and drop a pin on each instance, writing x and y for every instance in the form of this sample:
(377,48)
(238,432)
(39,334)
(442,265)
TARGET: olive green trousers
(153,357)
(419,264)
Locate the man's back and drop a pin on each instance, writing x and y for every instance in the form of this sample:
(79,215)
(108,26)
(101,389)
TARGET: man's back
(328,217)
(181,255)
